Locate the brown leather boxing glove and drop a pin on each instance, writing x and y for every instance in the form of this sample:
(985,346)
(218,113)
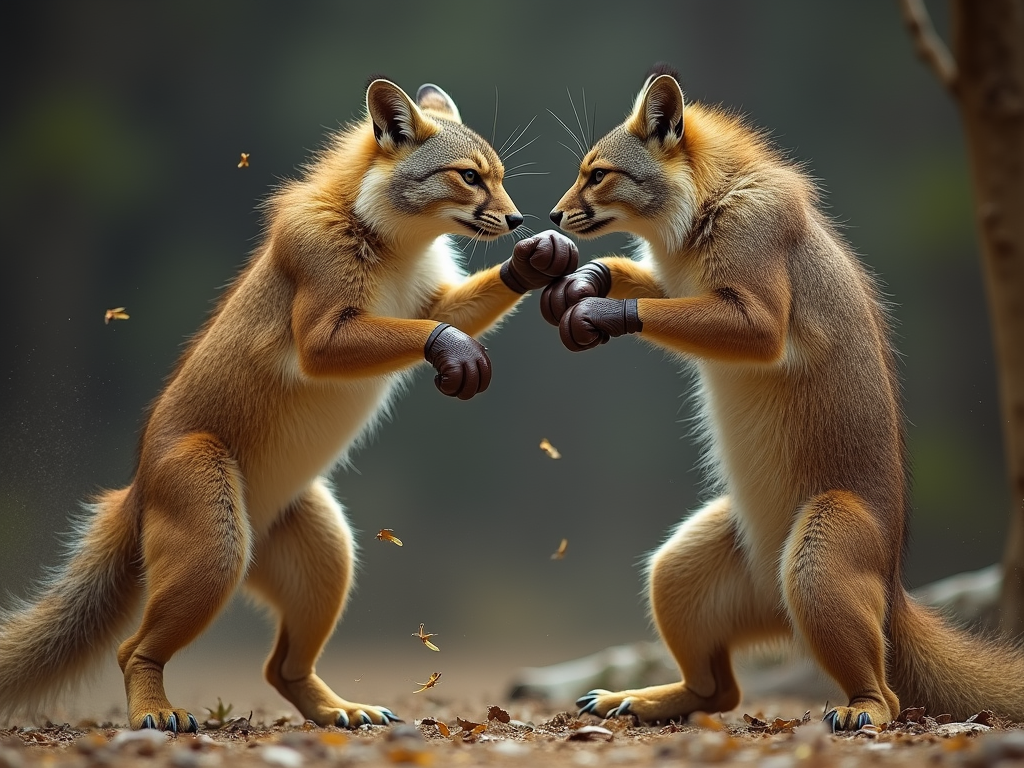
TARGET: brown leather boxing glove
(593,279)
(538,260)
(463,368)
(594,320)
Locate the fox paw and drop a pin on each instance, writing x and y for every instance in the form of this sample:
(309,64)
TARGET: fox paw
(355,715)
(173,720)
(847,719)
(605,703)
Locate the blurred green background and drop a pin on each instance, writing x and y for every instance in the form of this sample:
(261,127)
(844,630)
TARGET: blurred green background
(121,131)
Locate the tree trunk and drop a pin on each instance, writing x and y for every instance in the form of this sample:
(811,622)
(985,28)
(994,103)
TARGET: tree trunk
(988,48)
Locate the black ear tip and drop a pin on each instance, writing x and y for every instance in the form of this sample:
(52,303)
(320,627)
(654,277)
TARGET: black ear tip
(663,68)
(374,77)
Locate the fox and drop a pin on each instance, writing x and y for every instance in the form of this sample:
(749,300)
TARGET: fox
(354,282)
(799,413)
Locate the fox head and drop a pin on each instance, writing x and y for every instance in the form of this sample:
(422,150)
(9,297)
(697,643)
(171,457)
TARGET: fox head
(430,175)
(637,178)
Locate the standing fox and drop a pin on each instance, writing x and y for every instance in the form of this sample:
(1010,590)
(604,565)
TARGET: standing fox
(801,415)
(353,284)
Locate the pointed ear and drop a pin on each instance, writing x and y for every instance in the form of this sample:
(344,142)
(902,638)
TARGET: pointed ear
(396,120)
(658,112)
(432,98)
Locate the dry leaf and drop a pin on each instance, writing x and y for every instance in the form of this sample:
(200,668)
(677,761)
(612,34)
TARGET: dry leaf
(443,728)
(114,314)
(434,679)
(591,733)
(755,722)
(560,552)
(499,714)
(333,738)
(984,717)
(911,715)
(706,721)
(549,449)
(412,756)
(425,638)
(244,162)
(387,534)
(470,726)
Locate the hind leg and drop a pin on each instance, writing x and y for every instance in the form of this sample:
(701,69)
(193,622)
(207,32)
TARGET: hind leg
(195,543)
(834,572)
(303,569)
(704,603)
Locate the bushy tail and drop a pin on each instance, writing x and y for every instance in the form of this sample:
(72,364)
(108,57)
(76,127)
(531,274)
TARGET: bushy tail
(48,644)
(948,670)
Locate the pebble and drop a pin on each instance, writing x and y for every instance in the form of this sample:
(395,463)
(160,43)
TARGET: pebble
(282,757)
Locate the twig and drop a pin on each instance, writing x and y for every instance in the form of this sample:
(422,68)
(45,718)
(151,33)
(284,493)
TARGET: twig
(930,47)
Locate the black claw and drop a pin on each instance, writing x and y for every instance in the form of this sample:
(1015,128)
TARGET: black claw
(342,721)
(148,722)
(863,719)
(389,716)
(193,724)
(589,707)
(832,718)
(172,723)
(365,718)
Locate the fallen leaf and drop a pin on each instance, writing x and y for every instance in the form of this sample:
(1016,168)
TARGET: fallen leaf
(755,722)
(549,449)
(706,721)
(412,756)
(425,637)
(387,534)
(984,717)
(434,679)
(910,715)
(443,729)
(470,726)
(499,714)
(114,314)
(560,552)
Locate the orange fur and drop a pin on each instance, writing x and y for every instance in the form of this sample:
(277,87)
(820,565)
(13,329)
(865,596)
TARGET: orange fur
(800,410)
(299,359)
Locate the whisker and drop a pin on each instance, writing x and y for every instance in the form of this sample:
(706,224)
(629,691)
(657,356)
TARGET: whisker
(527,173)
(593,126)
(582,135)
(502,149)
(494,125)
(569,131)
(517,167)
(511,147)
(590,142)
(574,153)
(519,148)
(530,215)
(476,242)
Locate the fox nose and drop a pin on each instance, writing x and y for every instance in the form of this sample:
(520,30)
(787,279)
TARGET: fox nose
(514,220)
(556,216)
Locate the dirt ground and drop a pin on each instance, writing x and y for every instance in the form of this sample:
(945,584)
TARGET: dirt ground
(775,733)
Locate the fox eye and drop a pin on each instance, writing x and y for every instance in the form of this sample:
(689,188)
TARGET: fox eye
(597,176)
(470,176)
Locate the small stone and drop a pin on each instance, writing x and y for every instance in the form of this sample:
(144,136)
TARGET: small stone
(281,757)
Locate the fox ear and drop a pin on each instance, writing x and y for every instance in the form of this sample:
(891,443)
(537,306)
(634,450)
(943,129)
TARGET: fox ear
(658,112)
(396,120)
(430,97)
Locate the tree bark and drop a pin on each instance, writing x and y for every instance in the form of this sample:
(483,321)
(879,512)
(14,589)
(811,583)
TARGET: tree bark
(988,50)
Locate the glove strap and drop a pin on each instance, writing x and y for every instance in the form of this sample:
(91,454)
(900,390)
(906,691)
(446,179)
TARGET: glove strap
(438,330)
(631,316)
